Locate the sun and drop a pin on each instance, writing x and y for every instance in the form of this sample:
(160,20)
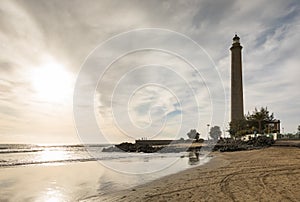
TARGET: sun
(51,82)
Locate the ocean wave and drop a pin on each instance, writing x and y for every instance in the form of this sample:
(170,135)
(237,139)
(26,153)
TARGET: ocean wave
(12,164)
(112,156)
(7,151)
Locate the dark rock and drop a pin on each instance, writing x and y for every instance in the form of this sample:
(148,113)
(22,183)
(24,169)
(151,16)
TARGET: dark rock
(129,147)
(229,144)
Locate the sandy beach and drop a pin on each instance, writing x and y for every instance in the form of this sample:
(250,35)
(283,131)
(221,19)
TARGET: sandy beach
(271,174)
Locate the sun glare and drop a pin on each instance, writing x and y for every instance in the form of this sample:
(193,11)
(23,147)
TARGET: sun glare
(52,155)
(51,82)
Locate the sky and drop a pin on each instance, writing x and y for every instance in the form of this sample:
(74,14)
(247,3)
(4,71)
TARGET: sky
(111,71)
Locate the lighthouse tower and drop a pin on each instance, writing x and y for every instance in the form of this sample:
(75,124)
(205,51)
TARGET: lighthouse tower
(237,103)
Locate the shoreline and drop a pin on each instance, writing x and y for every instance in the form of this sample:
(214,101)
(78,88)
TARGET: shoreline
(215,162)
(79,180)
(257,175)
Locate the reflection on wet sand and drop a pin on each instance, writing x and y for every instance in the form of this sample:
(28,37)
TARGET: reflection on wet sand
(75,181)
(52,195)
(194,158)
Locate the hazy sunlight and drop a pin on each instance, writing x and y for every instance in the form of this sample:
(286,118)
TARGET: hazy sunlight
(51,82)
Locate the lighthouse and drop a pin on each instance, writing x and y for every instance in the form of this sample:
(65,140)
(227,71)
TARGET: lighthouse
(237,102)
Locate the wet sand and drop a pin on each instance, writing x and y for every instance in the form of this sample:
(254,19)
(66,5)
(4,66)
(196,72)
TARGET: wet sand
(271,174)
(76,181)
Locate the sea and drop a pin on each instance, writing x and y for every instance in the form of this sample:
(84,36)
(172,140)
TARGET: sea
(79,172)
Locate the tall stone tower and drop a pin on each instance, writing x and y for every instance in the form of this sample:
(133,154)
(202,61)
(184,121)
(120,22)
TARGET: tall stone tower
(237,103)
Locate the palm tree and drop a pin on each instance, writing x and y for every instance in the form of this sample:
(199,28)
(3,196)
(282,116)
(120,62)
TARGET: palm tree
(260,118)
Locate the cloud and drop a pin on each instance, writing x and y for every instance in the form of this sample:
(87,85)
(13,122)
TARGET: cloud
(34,31)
